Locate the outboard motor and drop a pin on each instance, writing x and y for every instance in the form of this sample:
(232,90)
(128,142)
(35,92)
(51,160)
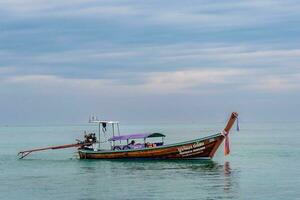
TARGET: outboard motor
(90,138)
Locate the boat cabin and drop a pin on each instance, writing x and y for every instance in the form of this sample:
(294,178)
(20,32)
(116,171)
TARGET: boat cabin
(131,141)
(125,142)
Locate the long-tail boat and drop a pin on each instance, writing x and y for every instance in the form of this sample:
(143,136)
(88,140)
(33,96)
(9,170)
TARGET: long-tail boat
(90,148)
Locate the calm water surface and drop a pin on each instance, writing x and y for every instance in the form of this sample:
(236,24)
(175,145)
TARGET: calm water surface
(264,164)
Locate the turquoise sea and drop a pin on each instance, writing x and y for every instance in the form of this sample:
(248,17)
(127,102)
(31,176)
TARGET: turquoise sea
(264,164)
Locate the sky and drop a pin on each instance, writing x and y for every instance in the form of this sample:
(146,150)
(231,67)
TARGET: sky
(149,61)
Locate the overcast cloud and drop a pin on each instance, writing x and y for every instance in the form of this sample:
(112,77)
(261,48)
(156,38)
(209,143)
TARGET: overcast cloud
(149,61)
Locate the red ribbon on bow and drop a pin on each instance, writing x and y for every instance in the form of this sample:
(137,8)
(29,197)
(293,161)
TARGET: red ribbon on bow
(226,145)
(225,133)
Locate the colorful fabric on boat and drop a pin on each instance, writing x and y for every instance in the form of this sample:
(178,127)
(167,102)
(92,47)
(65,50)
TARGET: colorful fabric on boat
(226,146)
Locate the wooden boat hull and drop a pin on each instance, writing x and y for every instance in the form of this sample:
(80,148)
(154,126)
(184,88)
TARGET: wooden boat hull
(203,148)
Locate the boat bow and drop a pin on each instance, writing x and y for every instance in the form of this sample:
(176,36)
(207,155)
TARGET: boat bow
(226,130)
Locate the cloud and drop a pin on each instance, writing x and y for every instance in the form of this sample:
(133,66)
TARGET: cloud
(230,53)
(58,9)
(182,67)
(219,15)
(186,80)
(153,58)
(6,70)
(277,83)
(52,83)
(67,50)
(183,81)
(199,14)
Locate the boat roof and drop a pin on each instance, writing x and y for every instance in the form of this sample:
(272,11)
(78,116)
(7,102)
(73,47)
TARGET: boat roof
(136,136)
(104,121)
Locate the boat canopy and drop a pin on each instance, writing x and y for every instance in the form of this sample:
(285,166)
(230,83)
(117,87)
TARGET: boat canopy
(103,122)
(136,136)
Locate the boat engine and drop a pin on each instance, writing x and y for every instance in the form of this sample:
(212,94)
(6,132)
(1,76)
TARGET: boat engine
(90,138)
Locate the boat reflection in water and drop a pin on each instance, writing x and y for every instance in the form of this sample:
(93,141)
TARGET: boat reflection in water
(173,178)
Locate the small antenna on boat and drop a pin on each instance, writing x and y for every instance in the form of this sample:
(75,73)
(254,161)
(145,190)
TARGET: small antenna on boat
(93,118)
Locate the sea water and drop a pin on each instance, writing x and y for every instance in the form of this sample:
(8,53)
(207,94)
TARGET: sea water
(264,164)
